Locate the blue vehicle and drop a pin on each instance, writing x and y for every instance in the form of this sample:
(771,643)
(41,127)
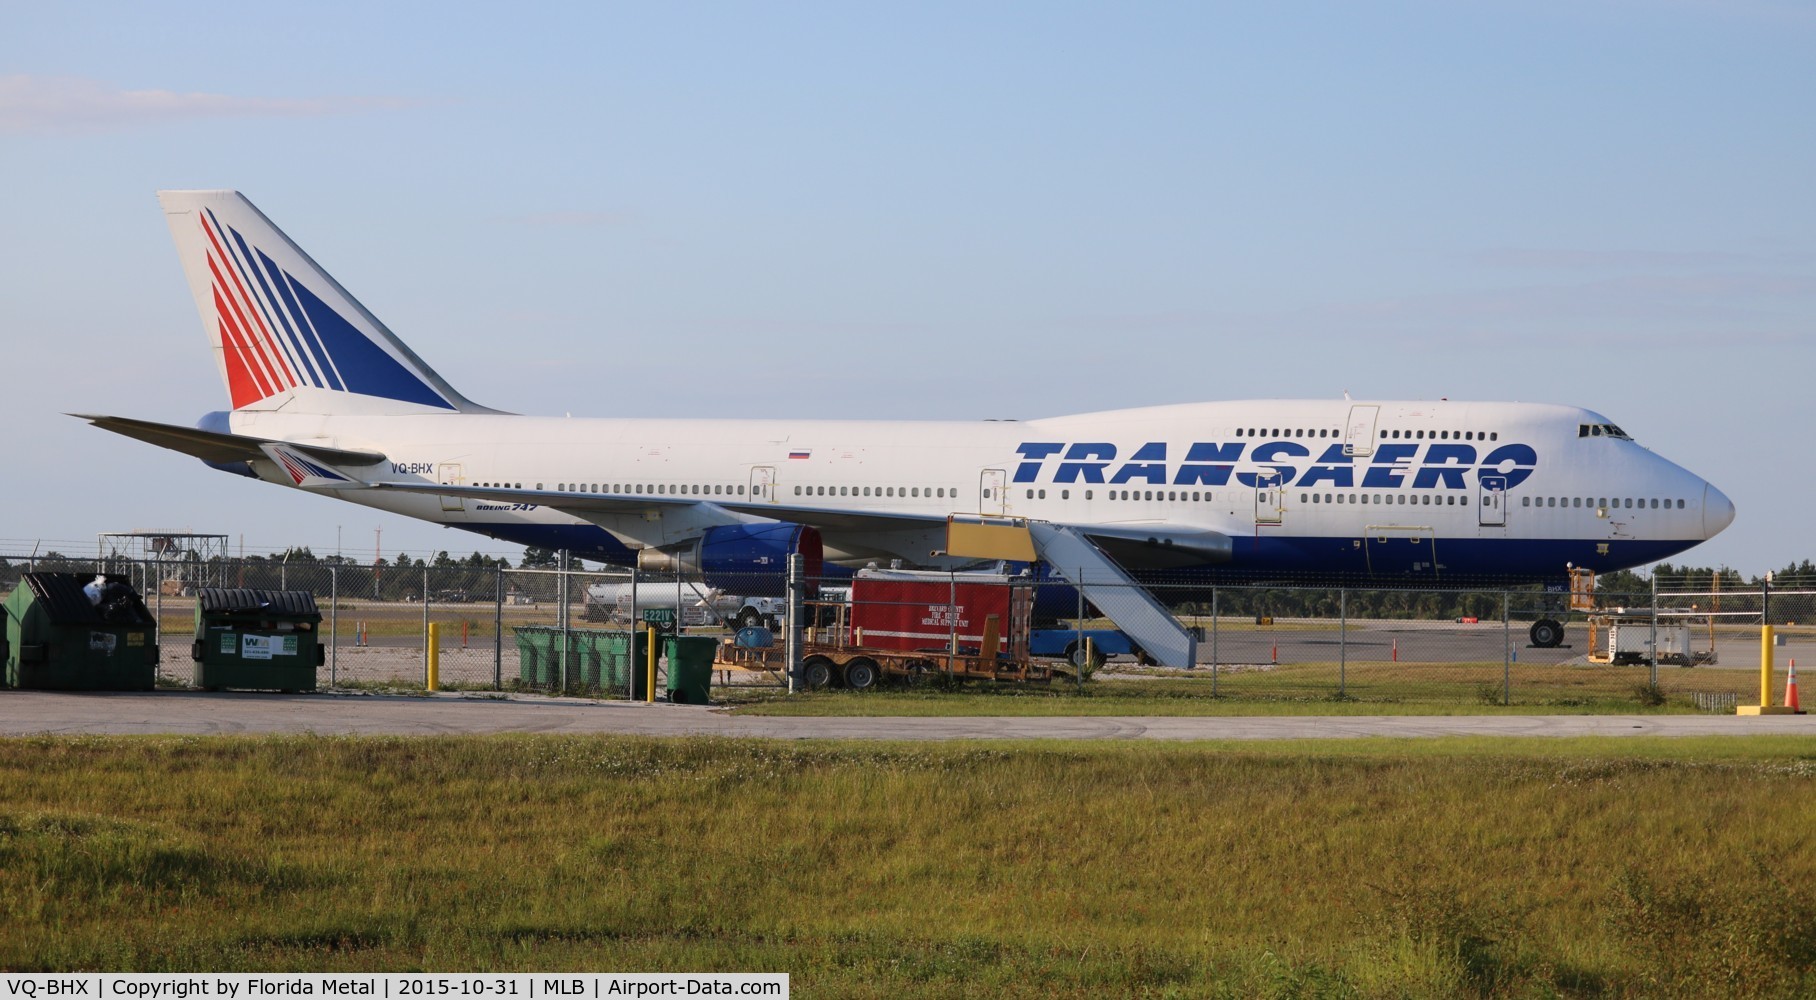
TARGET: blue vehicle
(1070,643)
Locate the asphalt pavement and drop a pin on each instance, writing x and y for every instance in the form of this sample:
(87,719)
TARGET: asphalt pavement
(24,713)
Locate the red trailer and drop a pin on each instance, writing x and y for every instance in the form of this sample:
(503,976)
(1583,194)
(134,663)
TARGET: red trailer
(936,612)
(914,625)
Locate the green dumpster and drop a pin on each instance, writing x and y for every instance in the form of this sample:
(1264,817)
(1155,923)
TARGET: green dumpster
(258,639)
(690,668)
(79,632)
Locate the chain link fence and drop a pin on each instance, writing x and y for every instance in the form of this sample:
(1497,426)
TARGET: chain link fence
(569,630)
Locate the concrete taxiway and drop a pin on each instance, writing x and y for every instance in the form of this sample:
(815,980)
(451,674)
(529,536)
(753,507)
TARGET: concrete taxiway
(24,713)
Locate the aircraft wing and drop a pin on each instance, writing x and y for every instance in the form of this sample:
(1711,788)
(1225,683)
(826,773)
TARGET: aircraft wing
(580,504)
(1134,544)
(213,446)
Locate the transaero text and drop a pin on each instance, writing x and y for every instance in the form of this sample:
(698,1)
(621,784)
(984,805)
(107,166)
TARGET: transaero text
(1272,463)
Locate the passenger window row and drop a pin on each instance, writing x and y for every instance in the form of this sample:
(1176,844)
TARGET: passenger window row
(1615,503)
(1441,435)
(880,491)
(668,489)
(1263,432)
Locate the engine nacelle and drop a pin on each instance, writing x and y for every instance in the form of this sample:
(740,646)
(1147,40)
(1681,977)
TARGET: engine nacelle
(747,559)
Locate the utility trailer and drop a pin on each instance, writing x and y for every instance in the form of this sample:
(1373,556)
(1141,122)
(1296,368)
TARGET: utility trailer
(909,626)
(1626,639)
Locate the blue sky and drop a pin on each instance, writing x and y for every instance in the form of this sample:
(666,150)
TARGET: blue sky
(943,210)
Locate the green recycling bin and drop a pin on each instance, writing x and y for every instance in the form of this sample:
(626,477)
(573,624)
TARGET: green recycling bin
(538,655)
(690,668)
(596,658)
(256,639)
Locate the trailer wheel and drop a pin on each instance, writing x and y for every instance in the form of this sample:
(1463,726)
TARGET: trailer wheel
(1546,633)
(916,672)
(1075,655)
(860,674)
(1142,657)
(816,671)
(750,618)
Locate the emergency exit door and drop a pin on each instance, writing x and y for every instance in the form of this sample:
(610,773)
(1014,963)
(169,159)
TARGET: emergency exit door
(451,475)
(993,492)
(763,483)
(1491,505)
(1270,498)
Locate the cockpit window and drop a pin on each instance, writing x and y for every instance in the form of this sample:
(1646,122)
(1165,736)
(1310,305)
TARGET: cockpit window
(1601,430)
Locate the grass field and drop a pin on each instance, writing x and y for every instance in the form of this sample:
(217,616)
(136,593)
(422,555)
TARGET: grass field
(1369,868)
(1290,689)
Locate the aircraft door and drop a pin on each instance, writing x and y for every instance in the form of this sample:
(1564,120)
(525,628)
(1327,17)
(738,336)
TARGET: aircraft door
(1270,499)
(1359,439)
(993,492)
(763,483)
(1402,550)
(451,475)
(1492,508)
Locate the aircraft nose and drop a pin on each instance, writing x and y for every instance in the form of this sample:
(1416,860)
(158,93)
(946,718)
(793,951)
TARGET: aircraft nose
(1718,511)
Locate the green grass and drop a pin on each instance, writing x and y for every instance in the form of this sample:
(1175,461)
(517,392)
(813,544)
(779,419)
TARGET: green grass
(1296,689)
(1360,868)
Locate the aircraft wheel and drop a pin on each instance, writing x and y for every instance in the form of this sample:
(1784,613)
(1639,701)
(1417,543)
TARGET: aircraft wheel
(1546,633)
(860,674)
(817,673)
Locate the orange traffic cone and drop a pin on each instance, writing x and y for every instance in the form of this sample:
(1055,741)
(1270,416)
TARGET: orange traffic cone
(1790,690)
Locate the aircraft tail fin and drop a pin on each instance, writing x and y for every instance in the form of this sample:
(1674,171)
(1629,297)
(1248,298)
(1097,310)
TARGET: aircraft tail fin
(284,332)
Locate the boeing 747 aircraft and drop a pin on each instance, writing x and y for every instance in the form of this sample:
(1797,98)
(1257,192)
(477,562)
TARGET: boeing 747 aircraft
(326,399)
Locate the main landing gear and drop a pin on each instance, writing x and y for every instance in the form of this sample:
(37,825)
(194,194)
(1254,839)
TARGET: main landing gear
(1546,633)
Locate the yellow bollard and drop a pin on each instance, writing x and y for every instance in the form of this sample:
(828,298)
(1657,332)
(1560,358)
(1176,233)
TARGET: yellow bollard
(1765,706)
(649,693)
(434,654)
(1765,667)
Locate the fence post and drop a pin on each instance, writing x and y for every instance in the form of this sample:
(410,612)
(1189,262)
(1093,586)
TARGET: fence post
(498,628)
(952,629)
(1078,634)
(1342,642)
(563,590)
(157,632)
(425,621)
(1654,644)
(791,637)
(1213,642)
(630,627)
(334,626)
(1506,651)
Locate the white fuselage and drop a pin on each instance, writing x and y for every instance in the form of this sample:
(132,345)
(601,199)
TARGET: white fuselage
(1463,488)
